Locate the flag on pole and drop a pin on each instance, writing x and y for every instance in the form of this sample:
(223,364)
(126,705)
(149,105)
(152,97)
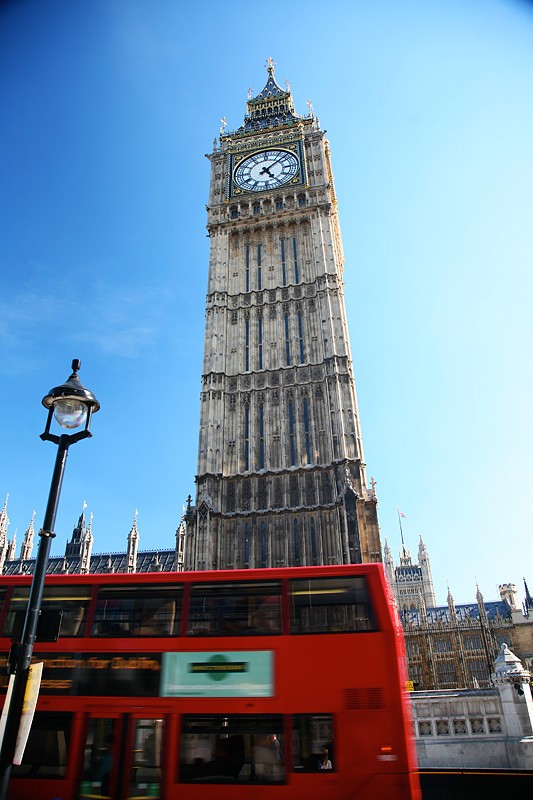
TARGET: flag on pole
(402,514)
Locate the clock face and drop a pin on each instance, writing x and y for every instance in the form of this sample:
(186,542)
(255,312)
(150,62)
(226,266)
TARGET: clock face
(265,170)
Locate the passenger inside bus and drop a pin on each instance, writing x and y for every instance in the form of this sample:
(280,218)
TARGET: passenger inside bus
(325,762)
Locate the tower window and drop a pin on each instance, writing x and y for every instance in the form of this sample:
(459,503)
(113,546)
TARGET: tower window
(279,204)
(261,437)
(263,544)
(283,265)
(314,550)
(234,212)
(246,344)
(246,437)
(247,271)
(256,208)
(302,200)
(247,544)
(307,432)
(259,266)
(296,270)
(297,552)
(260,342)
(287,342)
(292,447)
(301,338)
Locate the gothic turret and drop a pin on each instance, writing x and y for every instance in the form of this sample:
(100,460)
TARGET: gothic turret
(412,583)
(180,543)
(427,578)
(451,607)
(4,525)
(74,547)
(27,544)
(133,544)
(86,548)
(483,617)
(528,603)
(509,595)
(388,562)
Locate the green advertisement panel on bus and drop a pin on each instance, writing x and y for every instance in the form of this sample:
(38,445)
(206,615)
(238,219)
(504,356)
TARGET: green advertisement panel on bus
(218,674)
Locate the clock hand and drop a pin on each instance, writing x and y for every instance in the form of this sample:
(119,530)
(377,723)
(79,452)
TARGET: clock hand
(267,171)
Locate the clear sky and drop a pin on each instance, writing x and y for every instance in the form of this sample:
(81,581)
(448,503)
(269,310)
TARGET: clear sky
(108,108)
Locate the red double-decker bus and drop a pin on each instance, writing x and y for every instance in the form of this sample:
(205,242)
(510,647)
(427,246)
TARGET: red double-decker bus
(274,683)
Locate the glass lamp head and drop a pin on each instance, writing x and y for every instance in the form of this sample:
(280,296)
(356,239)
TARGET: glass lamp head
(70,413)
(71,404)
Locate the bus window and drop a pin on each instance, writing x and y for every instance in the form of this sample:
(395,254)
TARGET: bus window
(330,605)
(137,611)
(146,772)
(70,603)
(312,742)
(235,609)
(46,752)
(232,749)
(97,777)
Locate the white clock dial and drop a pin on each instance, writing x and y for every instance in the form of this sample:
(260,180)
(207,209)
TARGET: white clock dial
(265,170)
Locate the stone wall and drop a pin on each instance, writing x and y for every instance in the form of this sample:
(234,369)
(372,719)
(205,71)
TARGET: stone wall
(473,728)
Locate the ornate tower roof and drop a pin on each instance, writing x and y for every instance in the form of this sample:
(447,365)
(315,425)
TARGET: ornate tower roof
(271,108)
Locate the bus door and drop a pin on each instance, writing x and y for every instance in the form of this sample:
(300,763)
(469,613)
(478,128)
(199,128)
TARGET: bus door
(122,758)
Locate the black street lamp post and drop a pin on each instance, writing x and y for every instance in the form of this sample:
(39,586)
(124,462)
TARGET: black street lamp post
(72,405)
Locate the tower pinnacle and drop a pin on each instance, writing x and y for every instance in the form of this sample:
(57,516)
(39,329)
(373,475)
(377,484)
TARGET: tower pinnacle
(273,107)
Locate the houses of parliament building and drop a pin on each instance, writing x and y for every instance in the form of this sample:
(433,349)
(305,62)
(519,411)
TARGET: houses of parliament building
(281,476)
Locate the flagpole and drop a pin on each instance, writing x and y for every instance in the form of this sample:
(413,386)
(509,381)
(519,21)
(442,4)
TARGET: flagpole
(401,530)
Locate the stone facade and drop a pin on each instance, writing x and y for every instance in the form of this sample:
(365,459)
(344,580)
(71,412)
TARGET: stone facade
(281,474)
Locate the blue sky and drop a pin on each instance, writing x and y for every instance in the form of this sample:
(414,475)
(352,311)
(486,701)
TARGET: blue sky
(108,110)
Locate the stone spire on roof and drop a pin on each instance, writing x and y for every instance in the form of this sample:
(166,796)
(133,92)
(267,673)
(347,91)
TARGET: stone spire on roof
(388,561)
(4,525)
(11,547)
(4,519)
(483,617)
(86,548)
(427,577)
(451,606)
(528,604)
(133,543)
(27,543)
(180,542)
(74,547)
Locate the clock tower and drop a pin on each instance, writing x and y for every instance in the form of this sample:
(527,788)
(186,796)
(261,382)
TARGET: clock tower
(281,474)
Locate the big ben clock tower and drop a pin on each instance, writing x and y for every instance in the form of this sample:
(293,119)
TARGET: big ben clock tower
(281,474)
